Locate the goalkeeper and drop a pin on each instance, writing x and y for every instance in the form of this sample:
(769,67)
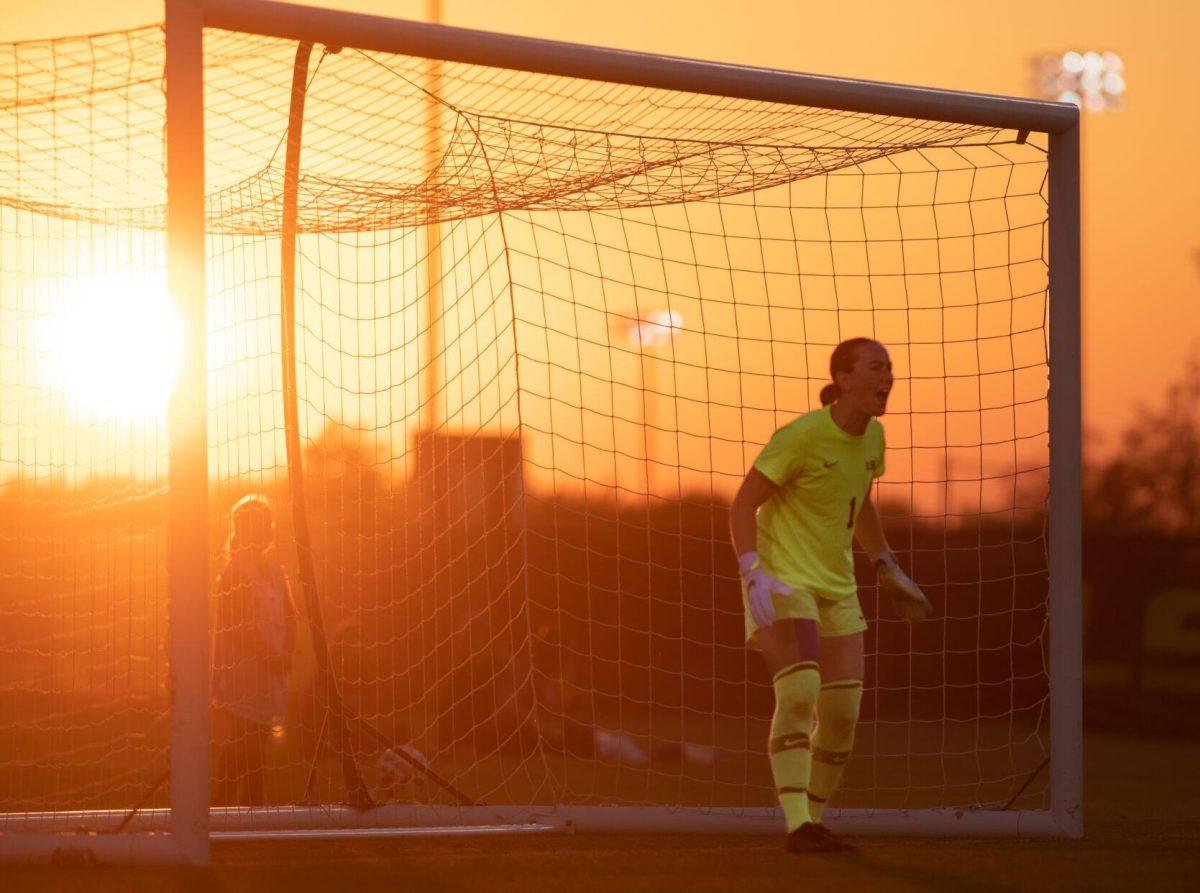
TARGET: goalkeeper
(792,523)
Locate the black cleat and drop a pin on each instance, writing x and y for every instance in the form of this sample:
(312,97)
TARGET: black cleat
(843,846)
(812,837)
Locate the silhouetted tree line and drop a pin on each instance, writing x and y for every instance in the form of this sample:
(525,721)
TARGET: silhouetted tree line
(1142,530)
(1150,486)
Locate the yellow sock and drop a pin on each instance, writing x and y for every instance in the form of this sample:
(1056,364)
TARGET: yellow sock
(791,759)
(837,715)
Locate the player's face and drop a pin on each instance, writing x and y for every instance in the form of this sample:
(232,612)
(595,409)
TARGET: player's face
(868,386)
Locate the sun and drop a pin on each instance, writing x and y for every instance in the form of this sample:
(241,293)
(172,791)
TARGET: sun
(118,347)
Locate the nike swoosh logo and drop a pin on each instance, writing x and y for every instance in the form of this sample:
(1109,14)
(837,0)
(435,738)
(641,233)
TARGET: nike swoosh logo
(831,464)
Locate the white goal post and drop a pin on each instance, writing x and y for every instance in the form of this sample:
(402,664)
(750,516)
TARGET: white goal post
(179,830)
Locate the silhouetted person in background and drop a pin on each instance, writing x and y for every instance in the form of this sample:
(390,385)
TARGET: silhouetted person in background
(252,654)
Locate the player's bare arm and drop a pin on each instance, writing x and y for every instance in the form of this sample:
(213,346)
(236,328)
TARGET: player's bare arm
(756,489)
(907,599)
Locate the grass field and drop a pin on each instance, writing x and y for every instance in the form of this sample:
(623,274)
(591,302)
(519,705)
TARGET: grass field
(1143,832)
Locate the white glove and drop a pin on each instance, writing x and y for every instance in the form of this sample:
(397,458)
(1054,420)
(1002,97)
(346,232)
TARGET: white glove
(908,601)
(759,586)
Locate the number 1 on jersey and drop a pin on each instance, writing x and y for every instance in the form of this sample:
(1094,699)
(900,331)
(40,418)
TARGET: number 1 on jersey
(853,503)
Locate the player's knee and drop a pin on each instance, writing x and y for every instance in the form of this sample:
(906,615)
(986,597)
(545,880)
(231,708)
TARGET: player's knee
(838,708)
(796,711)
(796,691)
(836,726)
(842,713)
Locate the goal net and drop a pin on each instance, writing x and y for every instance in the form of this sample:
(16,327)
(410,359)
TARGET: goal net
(498,348)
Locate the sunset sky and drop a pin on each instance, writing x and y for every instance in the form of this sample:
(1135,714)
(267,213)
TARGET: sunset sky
(1142,248)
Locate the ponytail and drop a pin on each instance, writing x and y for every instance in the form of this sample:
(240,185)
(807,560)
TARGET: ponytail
(830,393)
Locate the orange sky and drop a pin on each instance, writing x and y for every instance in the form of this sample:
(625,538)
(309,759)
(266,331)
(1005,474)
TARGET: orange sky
(1142,251)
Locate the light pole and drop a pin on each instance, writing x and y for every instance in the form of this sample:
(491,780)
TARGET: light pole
(654,330)
(434,380)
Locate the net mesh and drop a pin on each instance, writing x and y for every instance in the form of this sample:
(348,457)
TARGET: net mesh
(82,522)
(543,326)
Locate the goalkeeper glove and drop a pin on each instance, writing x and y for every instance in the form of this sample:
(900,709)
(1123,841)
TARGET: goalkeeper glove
(759,587)
(908,601)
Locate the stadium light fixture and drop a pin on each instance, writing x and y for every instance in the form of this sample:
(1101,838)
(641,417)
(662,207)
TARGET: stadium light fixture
(1094,81)
(655,330)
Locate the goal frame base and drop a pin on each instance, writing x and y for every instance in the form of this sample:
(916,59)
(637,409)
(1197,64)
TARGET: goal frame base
(311,822)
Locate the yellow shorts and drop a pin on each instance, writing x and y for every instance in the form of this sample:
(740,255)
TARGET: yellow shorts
(839,615)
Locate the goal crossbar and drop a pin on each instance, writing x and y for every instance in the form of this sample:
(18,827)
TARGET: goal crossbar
(450,44)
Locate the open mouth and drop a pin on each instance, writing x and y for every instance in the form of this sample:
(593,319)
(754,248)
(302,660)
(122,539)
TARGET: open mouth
(882,394)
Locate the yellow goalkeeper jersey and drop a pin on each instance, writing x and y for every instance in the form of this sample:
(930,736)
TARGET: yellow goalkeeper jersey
(806,530)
